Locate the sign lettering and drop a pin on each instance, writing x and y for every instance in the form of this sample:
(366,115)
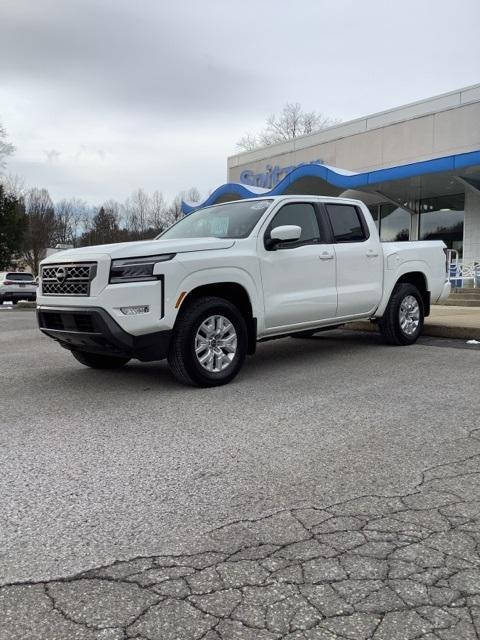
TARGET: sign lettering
(271,176)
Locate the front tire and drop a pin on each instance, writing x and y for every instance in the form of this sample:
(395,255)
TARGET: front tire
(402,322)
(209,343)
(99,361)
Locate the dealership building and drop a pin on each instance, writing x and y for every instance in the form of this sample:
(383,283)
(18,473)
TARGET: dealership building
(417,167)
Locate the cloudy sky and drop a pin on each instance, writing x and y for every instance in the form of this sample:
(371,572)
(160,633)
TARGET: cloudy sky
(103,96)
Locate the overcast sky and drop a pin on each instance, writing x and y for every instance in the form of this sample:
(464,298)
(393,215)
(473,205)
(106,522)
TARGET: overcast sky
(103,96)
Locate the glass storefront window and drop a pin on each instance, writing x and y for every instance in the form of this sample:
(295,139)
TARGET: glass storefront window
(394,223)
(442,219)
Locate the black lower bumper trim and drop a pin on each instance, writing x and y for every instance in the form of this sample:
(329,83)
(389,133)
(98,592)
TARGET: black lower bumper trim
(12,297)
(93,330)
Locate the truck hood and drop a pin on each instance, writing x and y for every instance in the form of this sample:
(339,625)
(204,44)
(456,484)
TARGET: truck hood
(143,248)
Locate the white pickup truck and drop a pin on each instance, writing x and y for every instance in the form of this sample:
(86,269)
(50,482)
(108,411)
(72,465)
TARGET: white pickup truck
(220,280)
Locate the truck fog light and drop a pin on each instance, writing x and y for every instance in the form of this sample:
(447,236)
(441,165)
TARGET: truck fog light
(135,311)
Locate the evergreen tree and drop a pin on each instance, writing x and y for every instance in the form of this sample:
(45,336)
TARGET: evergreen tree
(13,224)
(104,228)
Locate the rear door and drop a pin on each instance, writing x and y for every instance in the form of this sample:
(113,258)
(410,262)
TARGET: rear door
(359,260)
(298,278)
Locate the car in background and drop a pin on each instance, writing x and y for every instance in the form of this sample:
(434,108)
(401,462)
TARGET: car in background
(17,285)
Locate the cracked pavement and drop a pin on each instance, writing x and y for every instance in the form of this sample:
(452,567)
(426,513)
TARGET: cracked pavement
(391,564)
(373,567)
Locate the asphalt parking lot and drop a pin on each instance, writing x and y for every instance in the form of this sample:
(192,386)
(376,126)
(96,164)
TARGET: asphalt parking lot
(332,491)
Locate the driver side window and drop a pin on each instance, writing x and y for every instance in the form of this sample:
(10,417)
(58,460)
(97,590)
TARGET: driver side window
(301,214)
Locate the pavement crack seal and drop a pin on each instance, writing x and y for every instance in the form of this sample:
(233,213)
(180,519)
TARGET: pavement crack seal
(369,568)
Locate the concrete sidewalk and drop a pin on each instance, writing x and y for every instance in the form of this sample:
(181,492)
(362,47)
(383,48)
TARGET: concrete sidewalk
(443,322)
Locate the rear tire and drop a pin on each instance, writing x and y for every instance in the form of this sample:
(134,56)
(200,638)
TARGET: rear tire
(209,343)
(402,322)
(99,361)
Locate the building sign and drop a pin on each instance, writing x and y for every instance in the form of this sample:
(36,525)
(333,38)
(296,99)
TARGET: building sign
(272,175)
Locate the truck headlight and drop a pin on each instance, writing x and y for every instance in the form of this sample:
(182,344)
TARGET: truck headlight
(136,269)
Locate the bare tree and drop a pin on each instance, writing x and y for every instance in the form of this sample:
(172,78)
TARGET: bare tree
(69,215)
(6,148)
(137,208)
(86,222)
(174,211)
(248,142)
(291,123)
(41,230)
(157,214)
(13,185)
(192,195)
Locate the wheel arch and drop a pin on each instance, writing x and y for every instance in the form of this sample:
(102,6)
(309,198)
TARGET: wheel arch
(416,273)
(235,293)
(419,280)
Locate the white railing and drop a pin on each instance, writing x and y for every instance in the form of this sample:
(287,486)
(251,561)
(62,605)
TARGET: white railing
(463,273)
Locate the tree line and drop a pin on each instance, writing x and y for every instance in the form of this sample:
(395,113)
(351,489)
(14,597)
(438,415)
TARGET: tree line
(30,222)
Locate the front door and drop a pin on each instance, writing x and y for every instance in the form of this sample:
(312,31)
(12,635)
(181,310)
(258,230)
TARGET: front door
(298,277)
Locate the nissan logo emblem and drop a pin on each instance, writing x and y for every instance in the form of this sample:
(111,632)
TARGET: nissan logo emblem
(60,274)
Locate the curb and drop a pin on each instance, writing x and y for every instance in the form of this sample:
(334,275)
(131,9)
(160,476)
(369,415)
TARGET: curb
(20,306)
(433,330)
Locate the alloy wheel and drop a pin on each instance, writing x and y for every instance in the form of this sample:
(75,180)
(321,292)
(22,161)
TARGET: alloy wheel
(216,343)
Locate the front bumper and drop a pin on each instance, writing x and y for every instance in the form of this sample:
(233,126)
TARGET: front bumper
(93,330)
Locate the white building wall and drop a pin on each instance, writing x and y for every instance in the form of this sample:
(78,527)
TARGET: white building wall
(471,226)
(440,126)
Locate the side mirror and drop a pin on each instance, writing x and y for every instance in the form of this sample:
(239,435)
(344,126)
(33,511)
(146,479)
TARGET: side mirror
(285,233)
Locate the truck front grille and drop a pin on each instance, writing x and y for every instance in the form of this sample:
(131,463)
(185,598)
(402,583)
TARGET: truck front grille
(68,279)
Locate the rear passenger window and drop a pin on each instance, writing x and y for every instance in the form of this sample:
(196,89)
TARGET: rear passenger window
(19,277)
(346,223)
(301,214)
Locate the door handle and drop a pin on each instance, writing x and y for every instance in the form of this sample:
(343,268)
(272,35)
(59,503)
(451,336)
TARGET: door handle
(326,256)
(372,254)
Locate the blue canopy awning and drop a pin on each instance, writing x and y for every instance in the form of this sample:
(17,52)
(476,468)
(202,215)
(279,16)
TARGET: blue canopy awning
(337,180)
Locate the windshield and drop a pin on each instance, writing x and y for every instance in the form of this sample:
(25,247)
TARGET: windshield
(231,220)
